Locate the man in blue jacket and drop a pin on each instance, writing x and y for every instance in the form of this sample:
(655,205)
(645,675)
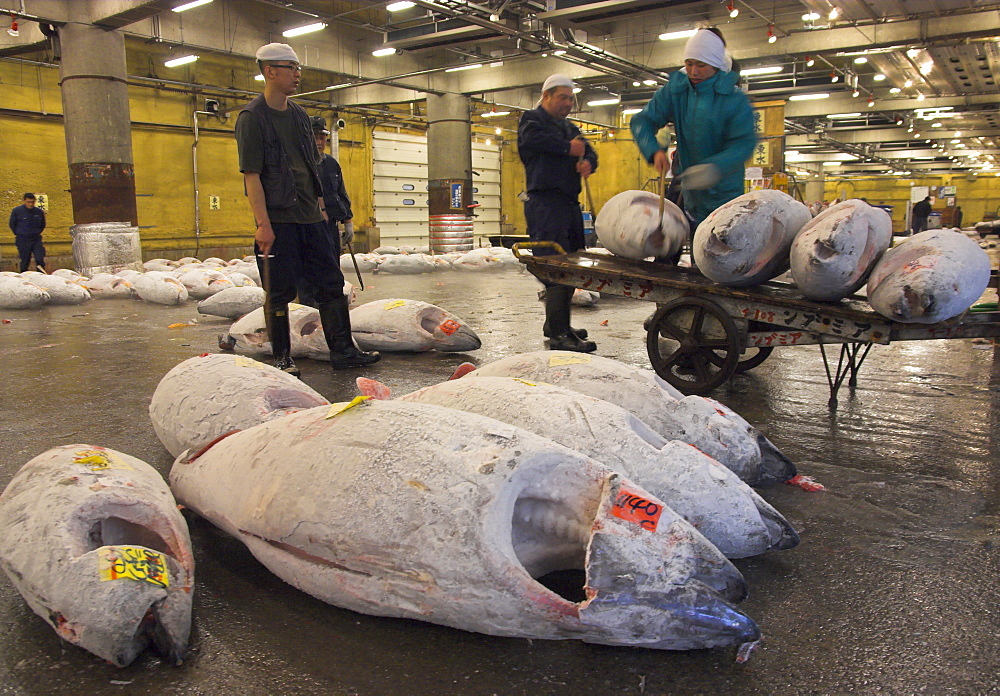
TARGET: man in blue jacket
(27,223)
(713,124)
(555,157)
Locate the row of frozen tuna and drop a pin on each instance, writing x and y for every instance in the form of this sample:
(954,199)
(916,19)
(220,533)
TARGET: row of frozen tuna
(928,278)
(455,504)
(392,325)
(396,261)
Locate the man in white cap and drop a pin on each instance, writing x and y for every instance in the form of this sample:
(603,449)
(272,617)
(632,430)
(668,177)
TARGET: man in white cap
(713,124)
(279,161)
(555,156)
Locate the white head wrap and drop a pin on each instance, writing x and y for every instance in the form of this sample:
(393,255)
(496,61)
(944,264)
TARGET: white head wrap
(707,47)
(277,51)
(555,80)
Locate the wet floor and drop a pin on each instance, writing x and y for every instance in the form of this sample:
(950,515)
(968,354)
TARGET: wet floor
(892,590)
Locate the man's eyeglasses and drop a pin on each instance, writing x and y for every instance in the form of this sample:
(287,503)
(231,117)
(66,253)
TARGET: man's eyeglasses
(293,68)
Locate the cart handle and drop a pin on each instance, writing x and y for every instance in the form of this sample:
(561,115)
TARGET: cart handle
(555,246)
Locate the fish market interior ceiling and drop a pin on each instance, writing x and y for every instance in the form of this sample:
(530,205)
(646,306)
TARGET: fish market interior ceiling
(873,86)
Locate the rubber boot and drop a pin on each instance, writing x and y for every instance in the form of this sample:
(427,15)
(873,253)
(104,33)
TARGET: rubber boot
(281,340)
(336,320)
(557,310)
(580,333)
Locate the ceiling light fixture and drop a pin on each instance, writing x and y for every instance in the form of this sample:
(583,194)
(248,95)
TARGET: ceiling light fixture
(733,10)
(605,102)
(631,110)
(402,5)
(912,52)
(470,66)
(810,17)
(861,60)
(878,77)
(834,13)
(834,77)
(807,97)
(936,124)
(871,102)
(183,60)
(649,83)
(771,38)
(958,134)
(686,33)
(559,52)
(894,90)
(191,5)
(920,96)
(379,52)
(810,61)
(499,130)
(854,114)
(856,93)
(305,29)
(908,84)
(491,114)
(13,26)
(577,90)
(766,70)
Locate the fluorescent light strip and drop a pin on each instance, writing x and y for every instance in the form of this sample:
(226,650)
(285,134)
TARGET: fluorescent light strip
(379,52)
(851,115)
(767,70)
(491,114)
(631,110)
(605,102)
(472,66)
(397,6)
(191,5)
(807,97)
(677,34)
(183,60)
(307,29)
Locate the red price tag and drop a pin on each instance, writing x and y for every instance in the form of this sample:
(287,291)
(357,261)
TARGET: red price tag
(449,326)
(634,508)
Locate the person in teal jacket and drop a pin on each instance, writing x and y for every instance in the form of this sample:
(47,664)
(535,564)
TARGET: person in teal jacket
(713,124)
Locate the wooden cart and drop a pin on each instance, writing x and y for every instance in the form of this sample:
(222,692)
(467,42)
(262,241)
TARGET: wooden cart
(703,333)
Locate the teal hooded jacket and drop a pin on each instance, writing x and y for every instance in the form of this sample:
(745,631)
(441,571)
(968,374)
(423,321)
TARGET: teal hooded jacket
(713,123)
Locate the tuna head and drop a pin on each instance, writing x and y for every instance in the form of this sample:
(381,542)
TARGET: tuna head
(93,541)
(420,511)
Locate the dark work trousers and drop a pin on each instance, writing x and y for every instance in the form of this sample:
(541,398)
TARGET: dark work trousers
(302,252)
(919,224)
(28,245)
(554,218)
(307,290)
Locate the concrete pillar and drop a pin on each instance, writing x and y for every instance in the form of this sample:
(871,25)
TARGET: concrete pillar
(97,124)
(814,188)
(449,172)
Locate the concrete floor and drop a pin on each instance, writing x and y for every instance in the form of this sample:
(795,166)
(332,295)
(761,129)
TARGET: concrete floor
(892,590)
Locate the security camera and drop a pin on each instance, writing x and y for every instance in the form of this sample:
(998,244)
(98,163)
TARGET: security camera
(341,123)
(212,106)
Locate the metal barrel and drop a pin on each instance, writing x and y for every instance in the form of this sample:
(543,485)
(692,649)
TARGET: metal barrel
(451,233)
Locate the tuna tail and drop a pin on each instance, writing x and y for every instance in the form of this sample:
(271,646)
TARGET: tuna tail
(775,467)
(373,388)
(462,370)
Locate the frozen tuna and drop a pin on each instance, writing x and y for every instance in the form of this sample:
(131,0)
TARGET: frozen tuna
(449,517)
(833,255)
(747,240)
(233,303)
(62,291)
(406,264)
(930,277)
(709,496)
(107,286)
(249,334)
(202,283)
(705,423)
(629,225)
(410,325)
(93,541)
(160,288)
(208,396)
(18,293)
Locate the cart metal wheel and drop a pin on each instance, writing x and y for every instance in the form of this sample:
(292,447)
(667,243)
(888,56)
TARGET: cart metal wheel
(693,344)
(751,358)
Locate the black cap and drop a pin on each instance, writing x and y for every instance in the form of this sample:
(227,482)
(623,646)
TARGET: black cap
(319,125)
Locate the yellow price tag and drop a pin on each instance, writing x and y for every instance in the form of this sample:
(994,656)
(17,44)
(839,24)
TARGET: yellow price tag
(244,361)
(394,304)
(340,407)
(100,460)
(133,563)
(556,359)
(524,381)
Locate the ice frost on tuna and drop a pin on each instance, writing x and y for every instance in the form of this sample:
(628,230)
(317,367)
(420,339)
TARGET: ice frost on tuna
(833,255)
(629,226)
(208,396)
(708,425)
(746,241)
(709,496)
(930,277)
(18,293)
(93,541)
(233,303)
(418,511)
(410,325)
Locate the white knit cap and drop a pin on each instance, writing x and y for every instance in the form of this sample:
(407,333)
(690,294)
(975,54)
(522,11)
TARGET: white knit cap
(555,80)
(277,51)
(707,47)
